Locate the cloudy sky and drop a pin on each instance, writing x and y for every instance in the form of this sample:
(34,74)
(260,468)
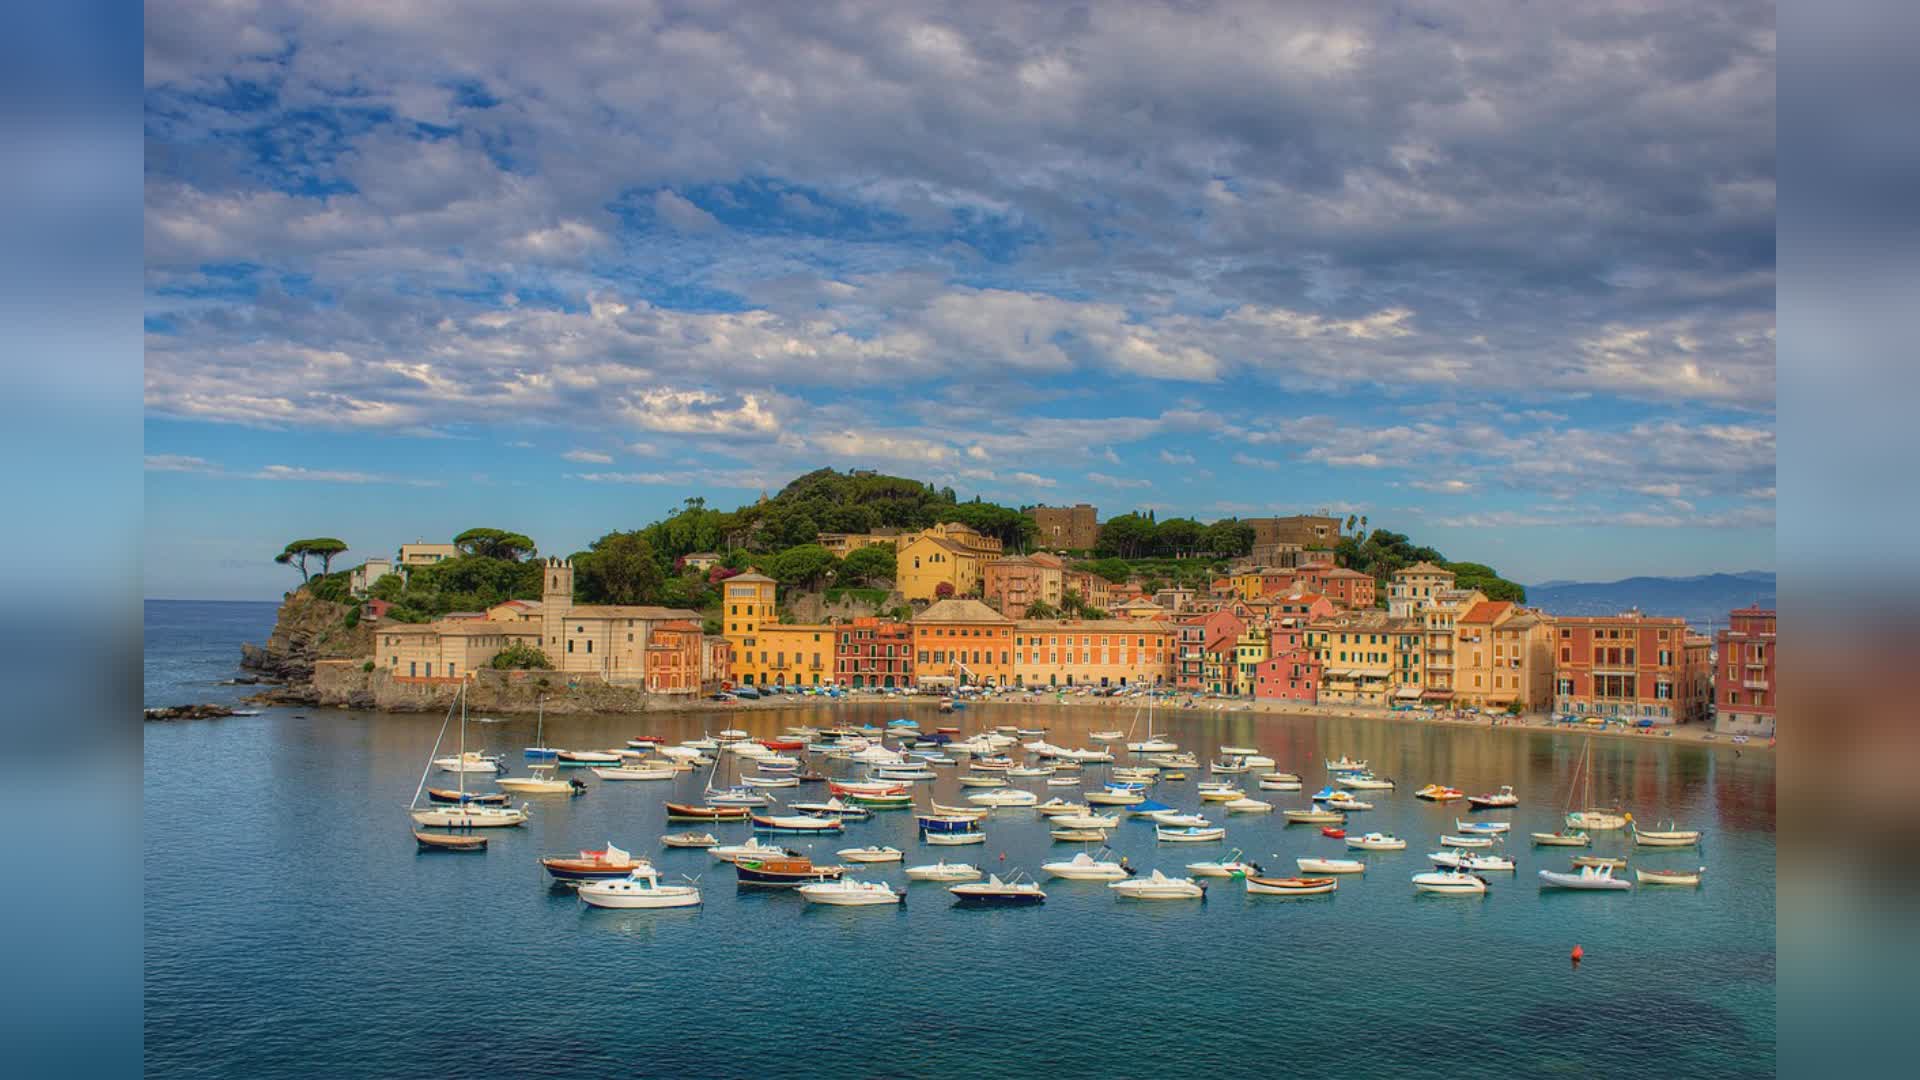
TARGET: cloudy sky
(1498,276)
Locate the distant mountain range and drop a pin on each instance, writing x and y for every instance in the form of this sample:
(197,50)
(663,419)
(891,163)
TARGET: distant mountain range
(1703,600)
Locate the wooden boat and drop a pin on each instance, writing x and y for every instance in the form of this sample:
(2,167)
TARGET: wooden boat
(765,781)
(983,781)
(434,841)
(444,795)
(1248,806)
(974,812)
(784,744)
(1483,828)
(1374,841)
(1311,865)
(954,839)
(1451,840)
(1056,806)
(1671,837)
(607,862)
(690,840)
(624,772)
(1221,794)
(883,802)
(640,889)
(1189,834)
(1280,782)
(587,757)
(1079,836)
(1106,736)
(1496,800)
(1450,883)
(1562,839)
(942,871)
(784,872)
(1005,797)
(866,787)
(997,893)
(1439,793)
(1668,877)
(693,812)
(797,824)
(1289,886)
(1158,886)
(1315,816)
(646,742)
(1238,751)
(1333,832)
(850,893)
(1592,878)
(1086,821)
(870,854)
(1178,819)
(1608,862)
(1227,767)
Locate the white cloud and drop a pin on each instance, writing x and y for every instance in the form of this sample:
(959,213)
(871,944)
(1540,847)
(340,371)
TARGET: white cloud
(333,476)
(588,457)
(1251,462)
(179,463)
(1442,487)
(1035,480)
(676,210)
(1172,458)
(1119,482)
(628,478)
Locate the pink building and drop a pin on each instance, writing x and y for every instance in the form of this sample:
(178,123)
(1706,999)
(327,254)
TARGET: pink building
(1290,676)
(1191,638)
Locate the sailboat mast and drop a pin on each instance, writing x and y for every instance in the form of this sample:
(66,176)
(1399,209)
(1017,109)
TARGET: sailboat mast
(461,693)
(431,754)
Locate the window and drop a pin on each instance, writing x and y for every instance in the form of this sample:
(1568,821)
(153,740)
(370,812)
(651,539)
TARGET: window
(569,645)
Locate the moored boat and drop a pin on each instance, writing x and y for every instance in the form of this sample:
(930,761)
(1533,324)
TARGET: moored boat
(954,839)
(695,812)
(1468,860)
(690,840)
(1314,816)
(846,892)
(541,782)
(797,824)
(587,757)
(1482,828)
(434,841)
(469,816)
(1450,883)
(1374,841)
(598,865)
(1670,837)
(1158,886)
(1597,878)
(1668,877)
(1085,867)
(469,761)
(1248,806)
(625,772)
(1451,840)
(870,854)
(1494,800)
(444,795)
(639,889)
(942,871)
(1189,834)
(996,892)
(1562,839)
(1439,793)
(832,808)
(1232,866)
(751,849)
(1289,886)
(1610,862)
(1310,865)
(1079,836)
(1280,782)
(784,872)
(1005,797)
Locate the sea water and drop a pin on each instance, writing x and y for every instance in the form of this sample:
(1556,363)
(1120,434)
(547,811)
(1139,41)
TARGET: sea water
(293,928)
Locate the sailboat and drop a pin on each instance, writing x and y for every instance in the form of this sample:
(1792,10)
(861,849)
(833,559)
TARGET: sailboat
(459,815)
(540,751)
(1153,743)
(1592,817)
(738,795)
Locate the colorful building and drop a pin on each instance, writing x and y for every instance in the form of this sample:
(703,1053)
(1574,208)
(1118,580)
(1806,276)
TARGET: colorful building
(1349,588)
(874,652)
(844,544)
(1016,582)
(1631,667)
(612,641)
(926,562)
(1250,650)
(1439,616)
(1503,657)
(1413,587)
(1744,695)
(766,652)
(1293,675)
(962,641)
(1355,649)
(1093,652)
(1192,635)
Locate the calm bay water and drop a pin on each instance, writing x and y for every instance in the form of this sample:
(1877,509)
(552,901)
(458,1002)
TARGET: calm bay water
(293,929)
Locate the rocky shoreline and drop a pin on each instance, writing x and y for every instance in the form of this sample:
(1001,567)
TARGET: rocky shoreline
(189,712)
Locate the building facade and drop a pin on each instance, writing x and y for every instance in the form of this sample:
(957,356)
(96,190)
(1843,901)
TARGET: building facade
(1631,667)
(874,652)
(1093,652)
(1355,649)
(1066,528)
(1413,587)
(962,641)
(421,553)
(1288,676)
(925,563)
(364,575)
(1013,583)
(1744,694)
(1503,657)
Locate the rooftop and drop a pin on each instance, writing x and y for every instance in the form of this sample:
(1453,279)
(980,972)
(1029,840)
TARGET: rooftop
(960,610)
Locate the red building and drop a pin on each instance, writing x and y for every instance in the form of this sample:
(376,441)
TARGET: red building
(1630,667)
(1743,688)
(1349,588)
(873,652)
(674,659)
(1289,676)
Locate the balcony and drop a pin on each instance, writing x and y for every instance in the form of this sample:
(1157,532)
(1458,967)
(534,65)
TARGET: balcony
(1755,684)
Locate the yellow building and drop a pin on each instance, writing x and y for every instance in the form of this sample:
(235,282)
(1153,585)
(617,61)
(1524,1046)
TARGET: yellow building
(1503,657)
(1443,610)
(844,544)
(1251,648)
(446,649)
(926,562)
(799,654)
(1409,638)
(1414,587)
(962,641)
(964,535)
(1141,608)
(1092,652)
(1355,650)
(420,553)
(1250,584)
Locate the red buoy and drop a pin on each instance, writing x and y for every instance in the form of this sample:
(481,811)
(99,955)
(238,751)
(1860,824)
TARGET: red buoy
(1577,954)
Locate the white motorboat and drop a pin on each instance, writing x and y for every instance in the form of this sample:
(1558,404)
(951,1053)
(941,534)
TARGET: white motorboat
(1450,883)
(954,839)
(1483,828)
(1158,886)
(1116,797)
(1671,837)
(1063,781)
(983,781)
(1087,756)
(1226,793)
(1248,806)
(942,871)
(1467,860)
(1152,746)
(471,761)
(1005,797)
(640,889)
(1587,877)
(1232,866)
(1189,834)
(1079,836)
(1174,817)
(626,773)
(909,773)
(1314,816)
(690,840)
(540,782)
(1106,736)
(1029,772)
(1374,841)
(1056,806)
(1668,877)
(1259,761)
(587,757)
(847,892)
(996,891)
(1364,782)
(1562,839)
(1310,865)
(832,808)
(1086,821)
(1227,766)
(752,849)
(870,854)
(1450,840)
(1085,867)
(1495,800)
(1280,782)
(1183,760)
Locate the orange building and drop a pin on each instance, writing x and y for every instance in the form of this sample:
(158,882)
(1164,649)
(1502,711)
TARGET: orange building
(673,658)
(1503,656)
(959,641)
(1093,652)
(1631,667)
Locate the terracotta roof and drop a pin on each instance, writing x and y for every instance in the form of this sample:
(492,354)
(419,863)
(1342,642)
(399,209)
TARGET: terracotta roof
(1343,572)
(751,576)
(1423,567)
(943,542)
(960,610)
(1486,611)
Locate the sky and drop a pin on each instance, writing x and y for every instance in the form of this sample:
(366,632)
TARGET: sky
(1499,277)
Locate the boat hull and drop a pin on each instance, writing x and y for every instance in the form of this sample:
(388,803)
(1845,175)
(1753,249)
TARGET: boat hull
(600,895)
(450,841)
(765,876)
(685,812)
(1263,886)
(953,839)
(457,817)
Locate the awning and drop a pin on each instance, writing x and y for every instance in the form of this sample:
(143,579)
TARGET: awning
(1436,695)
(1407,692)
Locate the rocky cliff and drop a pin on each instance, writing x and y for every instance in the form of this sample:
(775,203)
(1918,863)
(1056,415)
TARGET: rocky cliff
(307,630)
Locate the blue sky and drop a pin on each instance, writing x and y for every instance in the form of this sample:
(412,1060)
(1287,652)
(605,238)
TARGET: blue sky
(1500,279)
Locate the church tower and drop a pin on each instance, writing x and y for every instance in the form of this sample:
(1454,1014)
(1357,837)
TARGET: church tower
(556,601)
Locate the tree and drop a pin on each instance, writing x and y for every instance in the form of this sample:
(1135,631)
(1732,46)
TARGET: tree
(323,548)
(496,544)
(1229,537)
(869,564)
(807,566)
(1128,536)
(1040,609)
(620,568)
(1178,536)
(520,656)
(1467,575)
(1114,570)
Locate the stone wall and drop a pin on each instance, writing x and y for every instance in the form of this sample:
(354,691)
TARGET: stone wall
(347,684)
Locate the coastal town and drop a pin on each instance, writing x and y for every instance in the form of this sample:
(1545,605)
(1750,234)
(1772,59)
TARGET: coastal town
(1282,625)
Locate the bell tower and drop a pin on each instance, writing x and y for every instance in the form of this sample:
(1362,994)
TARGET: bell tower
(556,601)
